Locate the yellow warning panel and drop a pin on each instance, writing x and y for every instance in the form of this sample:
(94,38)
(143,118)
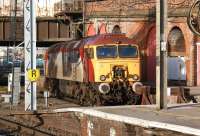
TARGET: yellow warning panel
(33,74)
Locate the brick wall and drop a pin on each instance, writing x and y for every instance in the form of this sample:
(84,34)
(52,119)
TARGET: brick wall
(94,126)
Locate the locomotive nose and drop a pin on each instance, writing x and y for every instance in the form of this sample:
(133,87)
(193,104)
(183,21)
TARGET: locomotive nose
(119,72)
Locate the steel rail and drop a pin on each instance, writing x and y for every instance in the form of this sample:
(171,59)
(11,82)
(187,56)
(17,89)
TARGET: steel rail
(17,123)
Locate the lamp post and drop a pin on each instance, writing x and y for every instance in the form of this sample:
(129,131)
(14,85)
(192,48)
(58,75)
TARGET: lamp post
(161,54)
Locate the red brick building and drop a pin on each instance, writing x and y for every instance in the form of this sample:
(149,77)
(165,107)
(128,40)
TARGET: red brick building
(136,19)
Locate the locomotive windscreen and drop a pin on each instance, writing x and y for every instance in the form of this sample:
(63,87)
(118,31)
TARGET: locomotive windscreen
(106,51)
(113,51)
(127,51)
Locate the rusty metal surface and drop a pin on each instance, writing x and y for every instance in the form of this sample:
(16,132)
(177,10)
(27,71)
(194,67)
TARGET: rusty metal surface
(53,30)
(42,32)
(7,30)
(1,31)
(48,29)
(66,32)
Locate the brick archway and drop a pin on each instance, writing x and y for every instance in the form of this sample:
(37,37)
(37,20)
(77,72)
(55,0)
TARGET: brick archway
(116,29)
(103,29)
(189,41)
(176,42)
(176,57)
(91,30)
(151,56)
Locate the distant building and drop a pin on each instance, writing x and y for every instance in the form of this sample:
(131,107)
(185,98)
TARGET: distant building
(137,20)
(44,7)
(50,28)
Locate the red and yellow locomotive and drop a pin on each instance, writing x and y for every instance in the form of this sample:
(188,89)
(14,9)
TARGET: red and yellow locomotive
(96,70)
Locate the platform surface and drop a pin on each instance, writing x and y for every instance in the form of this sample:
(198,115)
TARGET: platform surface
(183,118)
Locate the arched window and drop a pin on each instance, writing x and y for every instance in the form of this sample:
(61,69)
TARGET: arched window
(102,29)
(91,30)
(116,30)
(176,42)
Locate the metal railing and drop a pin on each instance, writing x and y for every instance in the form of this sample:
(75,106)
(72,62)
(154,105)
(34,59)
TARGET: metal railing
(68,6)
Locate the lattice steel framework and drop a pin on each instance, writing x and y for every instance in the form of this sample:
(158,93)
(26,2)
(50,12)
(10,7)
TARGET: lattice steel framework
(30,52)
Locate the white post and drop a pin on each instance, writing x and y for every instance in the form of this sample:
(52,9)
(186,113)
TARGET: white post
(9,82)
(30,52)
(198,64)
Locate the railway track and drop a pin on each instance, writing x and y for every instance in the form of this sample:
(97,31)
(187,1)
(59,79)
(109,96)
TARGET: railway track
(14,121)
(15,126)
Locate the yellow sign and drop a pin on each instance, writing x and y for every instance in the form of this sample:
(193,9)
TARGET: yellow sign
(33,74)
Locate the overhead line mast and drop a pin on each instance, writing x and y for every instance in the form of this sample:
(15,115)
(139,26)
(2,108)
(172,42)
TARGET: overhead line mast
(30,52)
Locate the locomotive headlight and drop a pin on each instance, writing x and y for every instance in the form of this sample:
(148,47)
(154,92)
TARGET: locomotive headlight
(102,77)
(104,88)
(135,77)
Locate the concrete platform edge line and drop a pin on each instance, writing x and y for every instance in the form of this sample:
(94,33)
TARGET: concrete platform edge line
(133,121)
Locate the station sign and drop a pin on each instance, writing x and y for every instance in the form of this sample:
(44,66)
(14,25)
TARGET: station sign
(33,74)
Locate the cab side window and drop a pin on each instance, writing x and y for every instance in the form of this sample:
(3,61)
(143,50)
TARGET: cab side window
(89,53)
(74,56)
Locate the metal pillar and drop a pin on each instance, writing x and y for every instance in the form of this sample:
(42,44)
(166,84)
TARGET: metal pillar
(30,52)
(83,3)
(161,54)
(16,85)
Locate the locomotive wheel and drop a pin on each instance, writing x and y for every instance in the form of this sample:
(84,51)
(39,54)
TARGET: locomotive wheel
(77,92)
(82,97)
(132,98)
(91,97)
(53,88)
(97,100)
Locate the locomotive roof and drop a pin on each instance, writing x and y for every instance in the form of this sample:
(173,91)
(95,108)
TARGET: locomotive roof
(109,39)
(93,40)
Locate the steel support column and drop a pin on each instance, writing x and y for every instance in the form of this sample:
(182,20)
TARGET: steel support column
(30,52)
(161,54)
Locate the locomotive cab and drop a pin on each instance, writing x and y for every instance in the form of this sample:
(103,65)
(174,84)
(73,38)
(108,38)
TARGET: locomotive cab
(115,63)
